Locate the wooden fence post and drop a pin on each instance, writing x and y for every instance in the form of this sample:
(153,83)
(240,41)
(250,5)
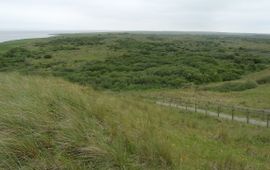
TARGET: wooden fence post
(171,102)
(219,109)
(195,106)
(267,123)
(247,116)
(206,109)
(232,112)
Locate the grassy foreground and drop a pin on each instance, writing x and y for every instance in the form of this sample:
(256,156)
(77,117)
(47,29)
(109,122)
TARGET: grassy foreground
(48,123)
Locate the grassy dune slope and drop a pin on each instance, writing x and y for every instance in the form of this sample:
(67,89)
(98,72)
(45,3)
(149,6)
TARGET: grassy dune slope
(47,123)
(257,97)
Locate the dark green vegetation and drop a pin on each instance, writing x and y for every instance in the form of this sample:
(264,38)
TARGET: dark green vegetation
(48,123)
(123,61)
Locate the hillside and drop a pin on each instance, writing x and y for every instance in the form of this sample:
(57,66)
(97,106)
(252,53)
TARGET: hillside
(133,61)
(48,123)
(252,90)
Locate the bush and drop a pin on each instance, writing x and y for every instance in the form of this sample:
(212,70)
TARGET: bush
(47,56)
(18,54)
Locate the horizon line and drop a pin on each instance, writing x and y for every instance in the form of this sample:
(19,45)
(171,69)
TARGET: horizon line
(128,31)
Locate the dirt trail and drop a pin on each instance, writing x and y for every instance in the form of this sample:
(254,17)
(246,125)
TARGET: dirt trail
(211,113)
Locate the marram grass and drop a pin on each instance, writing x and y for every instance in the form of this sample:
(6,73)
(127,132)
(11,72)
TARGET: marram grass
(48,123)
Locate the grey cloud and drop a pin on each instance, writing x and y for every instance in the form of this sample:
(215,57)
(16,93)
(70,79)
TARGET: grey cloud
(182,15)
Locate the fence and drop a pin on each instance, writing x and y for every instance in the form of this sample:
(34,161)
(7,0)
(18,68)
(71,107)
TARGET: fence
(237,113)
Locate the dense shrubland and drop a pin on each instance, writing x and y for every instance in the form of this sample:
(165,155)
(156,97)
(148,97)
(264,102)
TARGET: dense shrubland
(143,61)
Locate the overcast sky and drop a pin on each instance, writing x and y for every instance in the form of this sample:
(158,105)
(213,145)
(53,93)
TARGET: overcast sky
(178,15)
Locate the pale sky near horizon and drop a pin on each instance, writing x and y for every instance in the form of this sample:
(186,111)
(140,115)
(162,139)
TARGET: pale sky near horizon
(152,15)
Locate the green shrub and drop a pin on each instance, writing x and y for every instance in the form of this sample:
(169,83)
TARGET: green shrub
(47,56)
(18,54)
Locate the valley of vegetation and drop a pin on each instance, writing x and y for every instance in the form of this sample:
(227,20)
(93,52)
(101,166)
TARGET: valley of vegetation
(78,101)
(126,61)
